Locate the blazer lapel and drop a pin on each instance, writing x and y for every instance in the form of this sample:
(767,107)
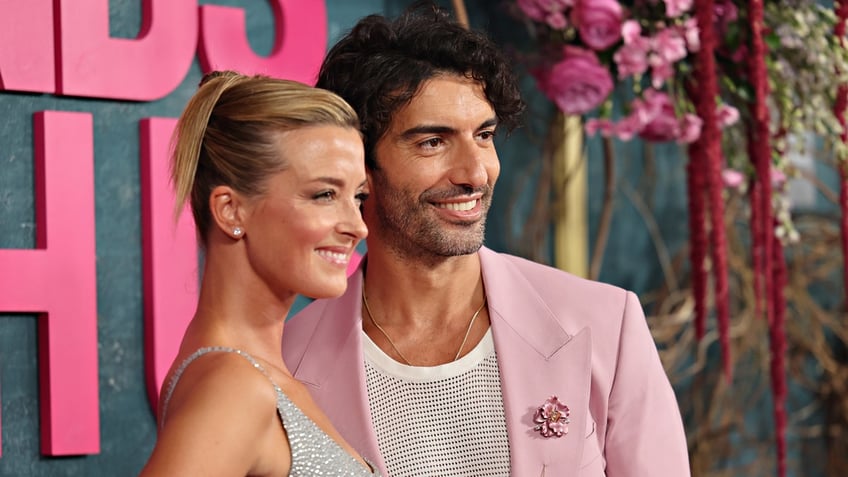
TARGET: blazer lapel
(333,368)
(537,359)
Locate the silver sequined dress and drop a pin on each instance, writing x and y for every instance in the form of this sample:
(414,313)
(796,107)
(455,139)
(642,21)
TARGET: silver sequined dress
(314,453)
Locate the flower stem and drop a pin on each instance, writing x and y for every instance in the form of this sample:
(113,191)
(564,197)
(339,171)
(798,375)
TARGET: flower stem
(602,236)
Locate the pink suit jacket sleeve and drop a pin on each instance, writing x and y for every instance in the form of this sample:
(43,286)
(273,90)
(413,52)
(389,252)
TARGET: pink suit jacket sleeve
(644,434)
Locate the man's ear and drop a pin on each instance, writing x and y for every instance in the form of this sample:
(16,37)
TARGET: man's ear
(227,209)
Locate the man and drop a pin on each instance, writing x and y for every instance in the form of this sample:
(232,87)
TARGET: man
(447,358)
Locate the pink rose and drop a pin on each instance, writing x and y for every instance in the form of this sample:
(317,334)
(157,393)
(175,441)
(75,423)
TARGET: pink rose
(578,83)
(598,21)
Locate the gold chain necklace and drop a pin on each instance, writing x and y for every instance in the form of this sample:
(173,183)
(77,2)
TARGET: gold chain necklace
(392,343)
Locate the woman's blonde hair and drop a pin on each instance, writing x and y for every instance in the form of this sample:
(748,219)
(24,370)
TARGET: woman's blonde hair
(228,134)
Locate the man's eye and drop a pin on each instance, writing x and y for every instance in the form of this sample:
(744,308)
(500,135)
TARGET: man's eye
(487,135)
(432,142)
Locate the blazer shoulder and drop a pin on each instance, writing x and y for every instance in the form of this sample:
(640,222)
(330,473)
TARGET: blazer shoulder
(548,279)
(576,302)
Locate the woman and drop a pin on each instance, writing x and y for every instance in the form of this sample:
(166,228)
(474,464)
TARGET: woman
(275,174)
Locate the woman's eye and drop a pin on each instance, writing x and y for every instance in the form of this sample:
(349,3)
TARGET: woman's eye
(361,197)
(325,195)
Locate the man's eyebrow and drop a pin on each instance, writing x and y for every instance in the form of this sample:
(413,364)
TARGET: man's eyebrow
(426,129)
(437,129)
(489,123)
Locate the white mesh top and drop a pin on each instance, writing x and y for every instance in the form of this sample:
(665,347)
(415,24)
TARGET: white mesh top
(445,420)
(313,452)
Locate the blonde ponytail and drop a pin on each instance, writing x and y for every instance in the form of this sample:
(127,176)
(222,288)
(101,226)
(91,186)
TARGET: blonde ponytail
(187,141)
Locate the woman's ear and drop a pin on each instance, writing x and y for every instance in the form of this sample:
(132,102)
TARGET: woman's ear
(227,208)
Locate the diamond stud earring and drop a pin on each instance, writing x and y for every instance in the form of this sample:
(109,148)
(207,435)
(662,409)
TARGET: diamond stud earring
(237,231)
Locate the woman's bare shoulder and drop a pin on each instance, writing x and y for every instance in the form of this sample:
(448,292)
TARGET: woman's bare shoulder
(221,409)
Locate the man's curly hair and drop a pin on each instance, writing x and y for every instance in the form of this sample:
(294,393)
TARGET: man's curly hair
(380,65)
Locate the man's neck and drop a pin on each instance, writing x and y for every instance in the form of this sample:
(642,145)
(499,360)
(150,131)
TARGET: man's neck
(419,290)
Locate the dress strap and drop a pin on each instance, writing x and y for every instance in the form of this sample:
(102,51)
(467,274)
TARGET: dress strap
(172,384)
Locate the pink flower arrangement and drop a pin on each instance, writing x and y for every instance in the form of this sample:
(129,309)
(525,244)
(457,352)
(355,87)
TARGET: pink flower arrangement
(594,41)
(653,118)
(577,83)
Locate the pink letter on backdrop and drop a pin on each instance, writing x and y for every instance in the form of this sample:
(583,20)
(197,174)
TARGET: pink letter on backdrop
(299,45)
(26,46)
(92,64)
(58,280)
(170,257)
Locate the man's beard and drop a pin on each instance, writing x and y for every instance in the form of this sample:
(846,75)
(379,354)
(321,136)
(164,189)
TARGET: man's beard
(410,226)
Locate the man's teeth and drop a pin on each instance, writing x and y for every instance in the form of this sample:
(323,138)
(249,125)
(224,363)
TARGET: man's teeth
(461,206)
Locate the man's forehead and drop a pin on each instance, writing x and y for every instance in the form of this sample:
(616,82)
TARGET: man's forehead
(445,99)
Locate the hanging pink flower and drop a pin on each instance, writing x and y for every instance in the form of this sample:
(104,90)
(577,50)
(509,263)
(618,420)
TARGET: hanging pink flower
(629,127)
(631,59)
(690,129)
(576,84)
(601,126)
(727,115)
(777,177)
(670,45)
(599,22)
(733,179)
(675,8)
(692,34)
(661,124)
(724,13)
(552,418)
(661,70)
(630,31)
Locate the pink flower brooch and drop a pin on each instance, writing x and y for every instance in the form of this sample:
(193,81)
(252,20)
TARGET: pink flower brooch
(551,418)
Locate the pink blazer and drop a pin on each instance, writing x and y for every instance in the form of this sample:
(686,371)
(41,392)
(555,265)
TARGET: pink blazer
(555,334)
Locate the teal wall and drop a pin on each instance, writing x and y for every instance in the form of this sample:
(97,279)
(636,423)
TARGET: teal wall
(127,423)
